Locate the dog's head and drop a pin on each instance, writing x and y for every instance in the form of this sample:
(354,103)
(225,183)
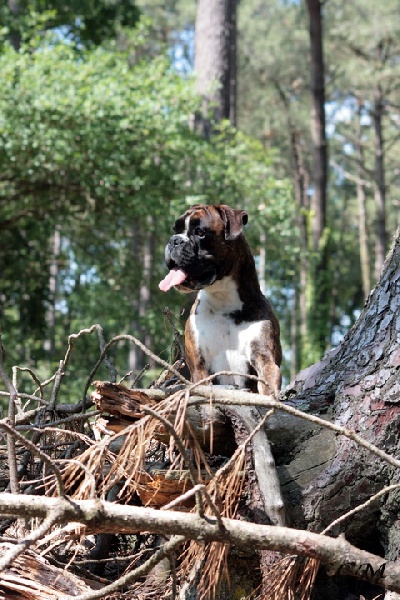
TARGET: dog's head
(202,249)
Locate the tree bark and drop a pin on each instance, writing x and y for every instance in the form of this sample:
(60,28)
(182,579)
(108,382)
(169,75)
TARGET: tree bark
(318,292)
(215,60)
(318,121)
(358,382)
(379,181)
(15,35)
(362,212)
(301,178)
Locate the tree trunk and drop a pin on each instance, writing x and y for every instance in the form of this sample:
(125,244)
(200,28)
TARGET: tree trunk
(55,248)
(262,261)
(143,249)
(215,60)
(15,36)
(379,180)
(323,476)
(318,121)
(301,178)
(362,213)
(318,292)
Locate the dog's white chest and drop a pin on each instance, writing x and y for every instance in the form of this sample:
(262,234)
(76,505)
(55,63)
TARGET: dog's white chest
(223,344)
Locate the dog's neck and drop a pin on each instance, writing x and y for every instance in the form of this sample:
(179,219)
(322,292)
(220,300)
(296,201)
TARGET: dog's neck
(235,292)
(222,295)
(244,271)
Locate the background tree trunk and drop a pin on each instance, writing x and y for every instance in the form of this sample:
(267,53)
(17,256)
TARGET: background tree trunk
(301,180)
(362,211)
(54,254)
(15,35)
(320,164)
(379,180)
(318,284)
(143,246)
(215,59)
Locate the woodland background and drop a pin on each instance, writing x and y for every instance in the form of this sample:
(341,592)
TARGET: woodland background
(98,155)
(115,116)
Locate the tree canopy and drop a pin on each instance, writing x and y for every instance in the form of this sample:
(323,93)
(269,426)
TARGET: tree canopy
(97,147)
(98,156)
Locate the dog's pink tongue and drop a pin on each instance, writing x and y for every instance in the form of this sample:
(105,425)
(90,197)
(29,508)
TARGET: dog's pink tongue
(174,277)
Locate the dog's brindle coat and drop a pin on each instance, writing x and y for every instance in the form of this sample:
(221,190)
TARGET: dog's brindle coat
(231,326)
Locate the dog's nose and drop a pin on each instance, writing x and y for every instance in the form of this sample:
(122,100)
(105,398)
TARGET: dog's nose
(177,240)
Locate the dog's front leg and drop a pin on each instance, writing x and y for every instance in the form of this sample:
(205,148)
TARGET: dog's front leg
(269,373)
(194,360)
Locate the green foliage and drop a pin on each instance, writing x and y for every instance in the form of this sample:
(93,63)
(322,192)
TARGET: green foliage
(82,23)
(361,47)
(98,148)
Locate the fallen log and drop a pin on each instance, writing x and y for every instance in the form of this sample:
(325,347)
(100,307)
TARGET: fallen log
(32,577)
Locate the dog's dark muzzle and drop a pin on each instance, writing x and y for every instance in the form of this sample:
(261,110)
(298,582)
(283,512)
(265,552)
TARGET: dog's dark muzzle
(183,253)
(180,252)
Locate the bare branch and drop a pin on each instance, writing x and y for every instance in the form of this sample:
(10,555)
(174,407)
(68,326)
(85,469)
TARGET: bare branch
(12,457)
(360,507)
(140,571)
(227,397)
(35,450)
(169,427)
(132,339)
(350,176)
(51,519)
(336,554)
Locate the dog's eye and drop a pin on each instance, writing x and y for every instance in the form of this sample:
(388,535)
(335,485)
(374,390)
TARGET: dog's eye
(199,232)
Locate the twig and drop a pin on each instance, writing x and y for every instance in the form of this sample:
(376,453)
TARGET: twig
(57,384)
(337,553)
(27,396)
(34,377)
(171,429)
(71,419)
(75,336)
(131,338)
(52,518)
(63,363)
(350,176)
(200,487)
(11,451)
(360,507)
(139,375)
(140,571)
(238,397)
(35,450)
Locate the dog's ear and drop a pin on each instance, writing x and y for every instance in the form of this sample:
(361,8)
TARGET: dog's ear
(234,221)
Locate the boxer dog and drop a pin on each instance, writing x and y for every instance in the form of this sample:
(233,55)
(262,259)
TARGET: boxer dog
(231,326)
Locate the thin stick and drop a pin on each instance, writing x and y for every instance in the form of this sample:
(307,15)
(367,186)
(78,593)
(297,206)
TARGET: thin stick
(11,450)
(35,450)
(360,507)
(170,428)
(52,517)
(34,377)
(140,571)
(227,397)
(131,338)
(200,487)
